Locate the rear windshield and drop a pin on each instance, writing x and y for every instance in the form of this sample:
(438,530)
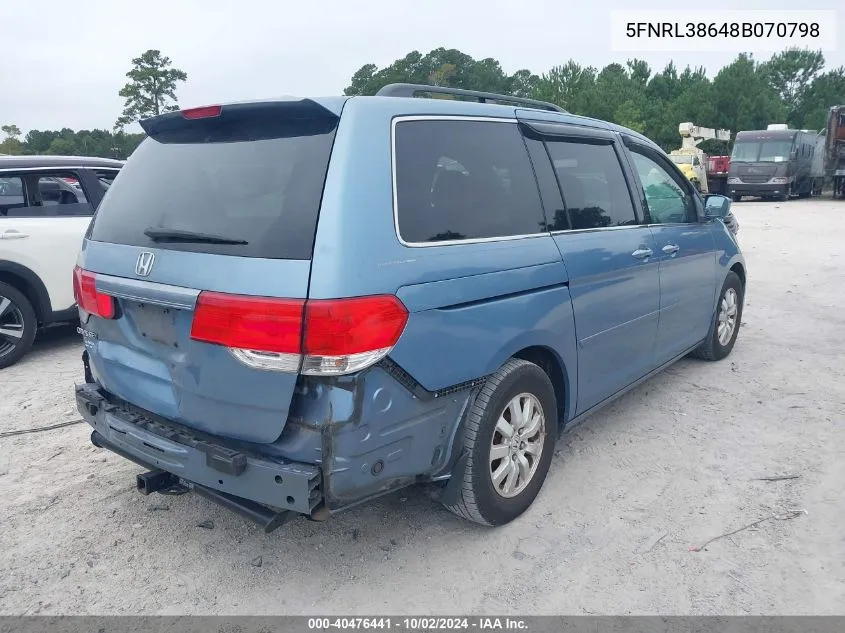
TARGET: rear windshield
(264,192)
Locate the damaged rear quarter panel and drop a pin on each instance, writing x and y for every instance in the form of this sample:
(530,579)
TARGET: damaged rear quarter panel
(376,436)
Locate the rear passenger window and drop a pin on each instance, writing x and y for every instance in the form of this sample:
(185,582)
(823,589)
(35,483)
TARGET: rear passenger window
(594,188)
(460,180)
(62,195)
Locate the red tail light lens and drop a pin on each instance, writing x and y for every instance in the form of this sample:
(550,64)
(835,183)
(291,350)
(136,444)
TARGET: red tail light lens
(204,112)
(251,323)
(351,326)
(88,297)
(319,337)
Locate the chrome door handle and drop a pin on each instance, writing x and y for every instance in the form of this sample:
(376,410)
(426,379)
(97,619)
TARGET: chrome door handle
(671,249)
(12,234)
(642,253)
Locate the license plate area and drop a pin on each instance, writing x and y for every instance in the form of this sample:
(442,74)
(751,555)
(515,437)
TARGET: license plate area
(155,323)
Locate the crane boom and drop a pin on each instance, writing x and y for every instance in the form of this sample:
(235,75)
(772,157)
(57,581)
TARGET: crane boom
(692,134)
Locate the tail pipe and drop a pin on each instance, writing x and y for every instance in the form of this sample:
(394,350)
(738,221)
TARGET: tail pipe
(158,480)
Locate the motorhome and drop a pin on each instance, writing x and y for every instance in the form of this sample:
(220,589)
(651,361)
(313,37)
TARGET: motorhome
(772,163)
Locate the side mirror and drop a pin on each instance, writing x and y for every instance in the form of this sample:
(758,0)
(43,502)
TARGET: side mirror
(716,206)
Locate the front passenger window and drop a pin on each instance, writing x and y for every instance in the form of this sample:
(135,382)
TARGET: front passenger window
(668,201)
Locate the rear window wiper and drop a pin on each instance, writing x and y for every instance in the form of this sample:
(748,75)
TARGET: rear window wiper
(158,234)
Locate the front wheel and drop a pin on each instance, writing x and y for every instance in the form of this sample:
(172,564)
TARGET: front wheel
(724,328)
(17,325)
(508,436)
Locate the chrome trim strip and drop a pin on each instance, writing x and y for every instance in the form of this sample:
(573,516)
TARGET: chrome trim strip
(602,228)
(60,168)
(439,117)
(148,292)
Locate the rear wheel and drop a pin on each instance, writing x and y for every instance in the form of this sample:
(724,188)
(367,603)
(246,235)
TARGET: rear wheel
(509,437)
(17,325)
(736,198)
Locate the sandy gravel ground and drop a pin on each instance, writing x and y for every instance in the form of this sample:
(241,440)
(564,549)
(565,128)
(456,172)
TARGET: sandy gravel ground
(667,467)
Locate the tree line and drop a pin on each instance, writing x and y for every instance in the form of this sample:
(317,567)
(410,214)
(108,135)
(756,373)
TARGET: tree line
(793,87)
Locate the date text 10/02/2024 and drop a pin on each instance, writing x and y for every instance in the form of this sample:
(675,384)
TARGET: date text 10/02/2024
(680,30)
(418,624)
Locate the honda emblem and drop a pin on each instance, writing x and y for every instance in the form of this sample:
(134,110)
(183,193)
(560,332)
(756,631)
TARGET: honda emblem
(144,265)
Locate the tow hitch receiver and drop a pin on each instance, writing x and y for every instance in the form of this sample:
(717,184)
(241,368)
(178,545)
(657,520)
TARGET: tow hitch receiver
(168,484)
(159,481)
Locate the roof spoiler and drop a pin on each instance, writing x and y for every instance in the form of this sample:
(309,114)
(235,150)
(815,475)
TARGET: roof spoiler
(252,120)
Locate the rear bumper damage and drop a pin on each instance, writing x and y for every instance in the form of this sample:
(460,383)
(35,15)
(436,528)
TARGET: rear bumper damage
(262,488)
(368,434)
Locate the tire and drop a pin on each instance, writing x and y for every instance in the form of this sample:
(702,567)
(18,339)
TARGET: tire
(478,499)
(712,348)
(736,198)
(16,315)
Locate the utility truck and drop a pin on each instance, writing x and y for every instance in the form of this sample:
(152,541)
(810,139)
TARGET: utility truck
(693,162)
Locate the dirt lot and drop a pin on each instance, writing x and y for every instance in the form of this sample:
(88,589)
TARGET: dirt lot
(667,467)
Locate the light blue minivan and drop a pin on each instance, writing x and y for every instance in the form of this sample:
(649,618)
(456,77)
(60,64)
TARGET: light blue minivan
(290,307)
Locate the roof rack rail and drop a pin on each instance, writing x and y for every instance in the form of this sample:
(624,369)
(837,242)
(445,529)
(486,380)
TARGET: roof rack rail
(411,90)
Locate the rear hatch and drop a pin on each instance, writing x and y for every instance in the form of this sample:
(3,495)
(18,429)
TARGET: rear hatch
(211,220)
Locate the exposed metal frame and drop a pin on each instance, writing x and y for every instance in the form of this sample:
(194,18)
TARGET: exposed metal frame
(411,90)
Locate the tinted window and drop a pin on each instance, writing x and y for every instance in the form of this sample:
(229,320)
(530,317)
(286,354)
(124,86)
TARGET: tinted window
(106,178)
(35,195)
(11,195)
(668,200)
(62,195)
(556,217)
(464,180)
(264,192)
(593,185)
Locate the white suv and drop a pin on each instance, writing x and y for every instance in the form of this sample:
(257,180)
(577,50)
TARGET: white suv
(46,204)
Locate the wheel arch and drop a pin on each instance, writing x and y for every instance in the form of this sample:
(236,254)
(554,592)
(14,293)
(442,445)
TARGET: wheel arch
(739,269)
(30,285)
(547,360)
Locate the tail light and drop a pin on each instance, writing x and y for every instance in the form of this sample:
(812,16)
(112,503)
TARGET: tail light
(316,337)
(88,297)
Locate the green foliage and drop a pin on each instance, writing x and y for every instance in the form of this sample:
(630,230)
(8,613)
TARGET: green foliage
(66,142)
(11,144)
(792,73)
(744,95)
(443,67)
(828,89)
(151,89)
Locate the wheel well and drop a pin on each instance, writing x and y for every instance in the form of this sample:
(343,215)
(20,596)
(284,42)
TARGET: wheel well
(740,271)
(544,358)
(26,289)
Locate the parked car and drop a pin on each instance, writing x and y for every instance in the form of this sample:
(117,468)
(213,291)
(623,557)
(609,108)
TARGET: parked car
(290,307)
(46,204)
